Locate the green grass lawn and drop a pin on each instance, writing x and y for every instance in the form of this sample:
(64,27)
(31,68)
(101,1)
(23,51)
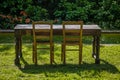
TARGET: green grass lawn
(108,69)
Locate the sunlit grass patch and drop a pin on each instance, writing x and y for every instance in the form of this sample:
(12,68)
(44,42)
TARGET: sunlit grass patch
(109,68)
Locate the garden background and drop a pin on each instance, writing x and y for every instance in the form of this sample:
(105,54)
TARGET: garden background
(105,13)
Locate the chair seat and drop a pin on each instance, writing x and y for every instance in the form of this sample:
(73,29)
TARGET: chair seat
(43,42)
(43,48)
(72,43)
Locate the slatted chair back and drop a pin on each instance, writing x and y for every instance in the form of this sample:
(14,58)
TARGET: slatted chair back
(43,34)
(72,35)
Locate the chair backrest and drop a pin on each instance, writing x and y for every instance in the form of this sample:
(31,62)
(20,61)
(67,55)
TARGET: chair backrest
(72,31)
(42,31)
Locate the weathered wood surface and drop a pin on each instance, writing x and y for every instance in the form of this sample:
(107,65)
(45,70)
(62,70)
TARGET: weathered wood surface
(57,29)
(102,31)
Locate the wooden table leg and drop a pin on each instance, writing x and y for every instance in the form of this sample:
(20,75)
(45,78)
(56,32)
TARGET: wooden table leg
(96,49)
(18,47)
(97,60)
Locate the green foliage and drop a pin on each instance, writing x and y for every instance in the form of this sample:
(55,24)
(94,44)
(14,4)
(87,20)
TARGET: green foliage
(36,13)
(5,24)
(14,6)
(105,13)
(70,11)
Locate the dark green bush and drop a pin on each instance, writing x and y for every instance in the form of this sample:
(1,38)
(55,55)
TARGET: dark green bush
(105,13)
(36,12)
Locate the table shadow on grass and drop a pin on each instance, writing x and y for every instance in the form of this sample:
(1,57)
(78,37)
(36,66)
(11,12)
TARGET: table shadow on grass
(70,68)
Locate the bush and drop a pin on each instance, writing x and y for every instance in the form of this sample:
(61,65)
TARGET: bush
(105,13)
(36,13)
(14,12)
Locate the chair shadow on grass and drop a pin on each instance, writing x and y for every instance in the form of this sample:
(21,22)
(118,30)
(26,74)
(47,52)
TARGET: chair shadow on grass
(70,68)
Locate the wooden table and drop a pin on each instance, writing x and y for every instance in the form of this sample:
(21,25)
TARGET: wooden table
(88,30)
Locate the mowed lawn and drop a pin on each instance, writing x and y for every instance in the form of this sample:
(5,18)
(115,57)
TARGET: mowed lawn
(108,69)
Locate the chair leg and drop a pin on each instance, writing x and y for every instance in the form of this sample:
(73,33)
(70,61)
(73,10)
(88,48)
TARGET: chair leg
(51,54)
(80,54)
(34,54)
(64,54)
(35,59)
(80,57)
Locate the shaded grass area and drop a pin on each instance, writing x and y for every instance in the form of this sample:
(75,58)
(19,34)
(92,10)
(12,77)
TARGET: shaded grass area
(105,39)
(110,38)
(109,69)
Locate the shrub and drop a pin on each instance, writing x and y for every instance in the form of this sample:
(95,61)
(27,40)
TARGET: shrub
(105,13)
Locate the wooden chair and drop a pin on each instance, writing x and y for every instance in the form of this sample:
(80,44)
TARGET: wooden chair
(43,35)
(72,36)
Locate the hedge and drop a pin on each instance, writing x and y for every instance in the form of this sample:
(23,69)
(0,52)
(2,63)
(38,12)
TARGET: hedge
(105,13)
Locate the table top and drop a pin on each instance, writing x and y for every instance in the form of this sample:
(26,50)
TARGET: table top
(87,29)
(29,26)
